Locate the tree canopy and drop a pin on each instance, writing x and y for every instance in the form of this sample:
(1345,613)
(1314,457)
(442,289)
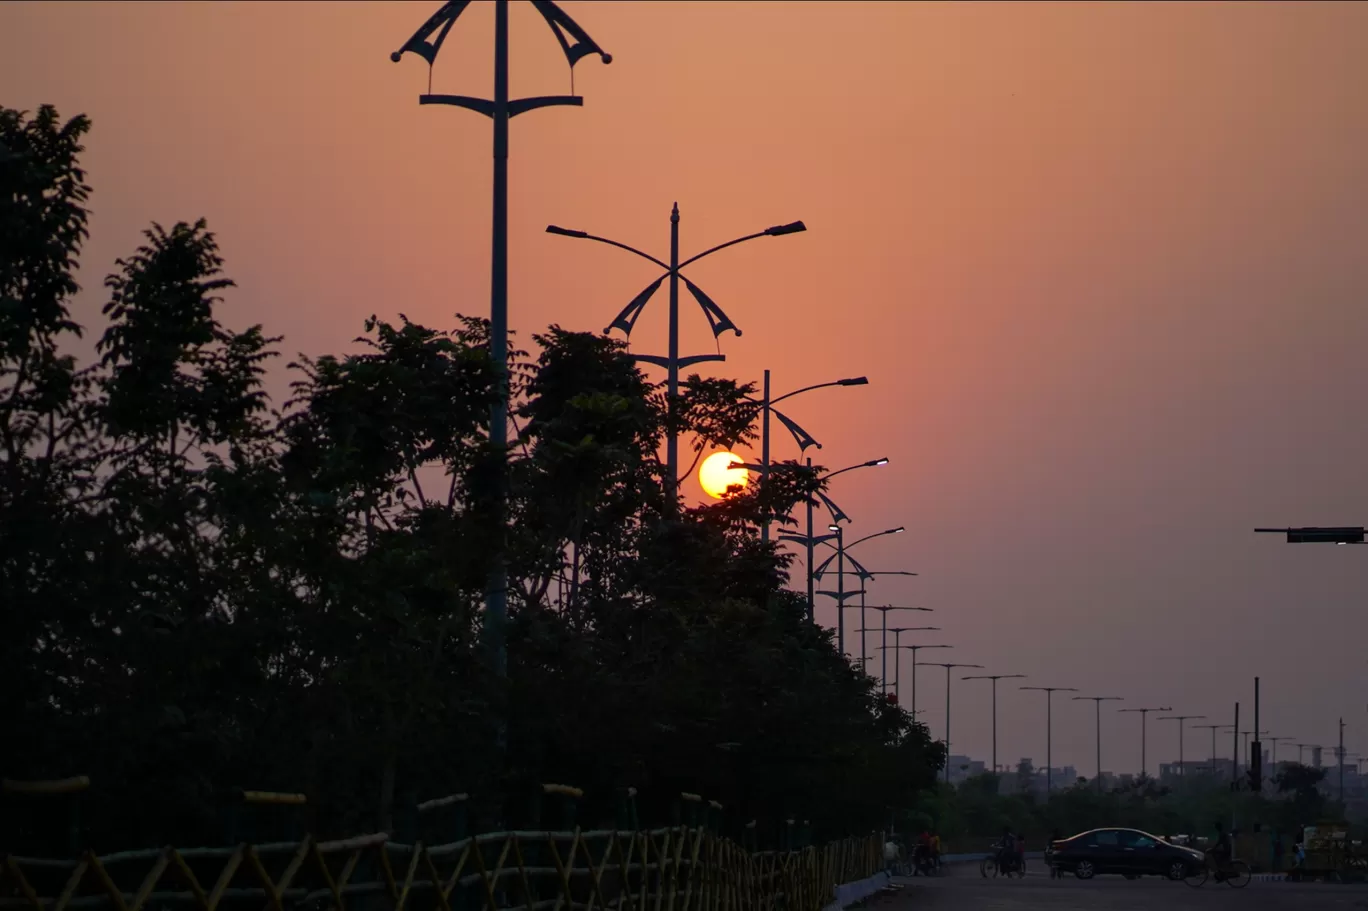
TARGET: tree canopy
(203,588)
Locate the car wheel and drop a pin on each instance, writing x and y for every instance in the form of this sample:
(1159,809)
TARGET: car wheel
(1085,870)
(1177,870)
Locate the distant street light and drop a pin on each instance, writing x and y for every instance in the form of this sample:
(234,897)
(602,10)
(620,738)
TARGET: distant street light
(995,678)
(897,661)
(1181,719)
(884,609)
(1049,692)
(840,593)
(1275,741)
(1144,713)
(1301,748)
(803,438)
(718,320)
(1099,700)
(948,668)
(1318,535)
(1213,728)
(810,540)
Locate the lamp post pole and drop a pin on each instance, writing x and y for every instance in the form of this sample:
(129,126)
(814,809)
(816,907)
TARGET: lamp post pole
(995,678)
(1049,692)
(949,666)
(802,436)
(840,558)
(1144,713)
(426,43)
(897,662)
(1275,741)
(1098,700)
(1181,719)
(810,541)
(883,670)
(717,319)
(1213,728)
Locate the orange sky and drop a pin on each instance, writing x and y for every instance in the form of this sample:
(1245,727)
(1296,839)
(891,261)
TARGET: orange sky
(1103,264)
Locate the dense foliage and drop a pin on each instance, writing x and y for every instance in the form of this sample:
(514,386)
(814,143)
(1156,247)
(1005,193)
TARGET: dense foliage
(204,589)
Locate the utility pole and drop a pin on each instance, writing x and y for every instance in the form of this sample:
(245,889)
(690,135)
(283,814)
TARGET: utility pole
(1144,713)
(995,678)
(499,110)
(1340,751)
(1235,748)
(1256,756)
(1049,692)
(1098,700)
(1181,719)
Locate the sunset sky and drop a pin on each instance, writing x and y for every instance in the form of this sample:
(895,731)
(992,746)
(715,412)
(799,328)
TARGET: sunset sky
(1106,267)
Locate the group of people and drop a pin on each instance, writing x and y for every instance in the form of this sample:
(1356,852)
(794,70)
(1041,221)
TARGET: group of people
(925,854)
(1011,852)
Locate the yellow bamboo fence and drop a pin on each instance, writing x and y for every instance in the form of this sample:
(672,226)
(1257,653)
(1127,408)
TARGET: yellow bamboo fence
(681,868)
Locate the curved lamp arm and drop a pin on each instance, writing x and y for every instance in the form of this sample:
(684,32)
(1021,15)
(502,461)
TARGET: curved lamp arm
(773,231)
(872,463)
(888,531)
(570,232)
(849,381)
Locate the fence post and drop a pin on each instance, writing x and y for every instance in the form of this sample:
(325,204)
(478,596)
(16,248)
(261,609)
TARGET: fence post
(627,811)
(406,817)
(565,801)
(69,788)
(690,806)
(244,821)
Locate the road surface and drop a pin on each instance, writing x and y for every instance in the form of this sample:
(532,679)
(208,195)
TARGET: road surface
(965,890)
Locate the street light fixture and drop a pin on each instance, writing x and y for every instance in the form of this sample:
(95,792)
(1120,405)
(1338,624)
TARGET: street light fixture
(500,110)
(948,668)
(1049,692)
(1318,535)
(810,540)
(717,319)
(803,438)
(1275,741)
(1181,719)
(840,593)
(897,663)
(1144,714)
(883,672)
(995,678)
(1099,700)
(1213,728)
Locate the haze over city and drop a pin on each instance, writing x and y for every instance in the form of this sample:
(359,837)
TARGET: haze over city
(1104,266)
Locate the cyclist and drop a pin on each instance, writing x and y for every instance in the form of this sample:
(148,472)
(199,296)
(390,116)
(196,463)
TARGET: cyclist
(936,850)
(1006,851)
(1218,855)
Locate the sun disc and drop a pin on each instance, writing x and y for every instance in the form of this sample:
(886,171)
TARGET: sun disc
(716,474)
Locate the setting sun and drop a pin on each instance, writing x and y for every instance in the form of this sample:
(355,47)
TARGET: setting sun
(716,475)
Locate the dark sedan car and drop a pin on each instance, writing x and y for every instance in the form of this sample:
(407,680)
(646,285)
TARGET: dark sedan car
(1128,852)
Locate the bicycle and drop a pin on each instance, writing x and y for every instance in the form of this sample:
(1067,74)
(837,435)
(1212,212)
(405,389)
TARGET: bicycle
(1234,873)
(988,867)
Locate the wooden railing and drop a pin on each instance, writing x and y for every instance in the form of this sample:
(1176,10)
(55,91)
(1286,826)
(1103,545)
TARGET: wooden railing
(671,869)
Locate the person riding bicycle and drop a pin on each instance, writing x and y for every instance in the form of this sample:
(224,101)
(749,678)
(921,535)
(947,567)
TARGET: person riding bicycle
(1219,853)
(1006,851)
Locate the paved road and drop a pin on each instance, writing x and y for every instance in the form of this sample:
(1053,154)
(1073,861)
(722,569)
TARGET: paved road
(965,890)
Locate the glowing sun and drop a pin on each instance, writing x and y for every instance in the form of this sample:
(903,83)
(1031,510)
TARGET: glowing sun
(716,476)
